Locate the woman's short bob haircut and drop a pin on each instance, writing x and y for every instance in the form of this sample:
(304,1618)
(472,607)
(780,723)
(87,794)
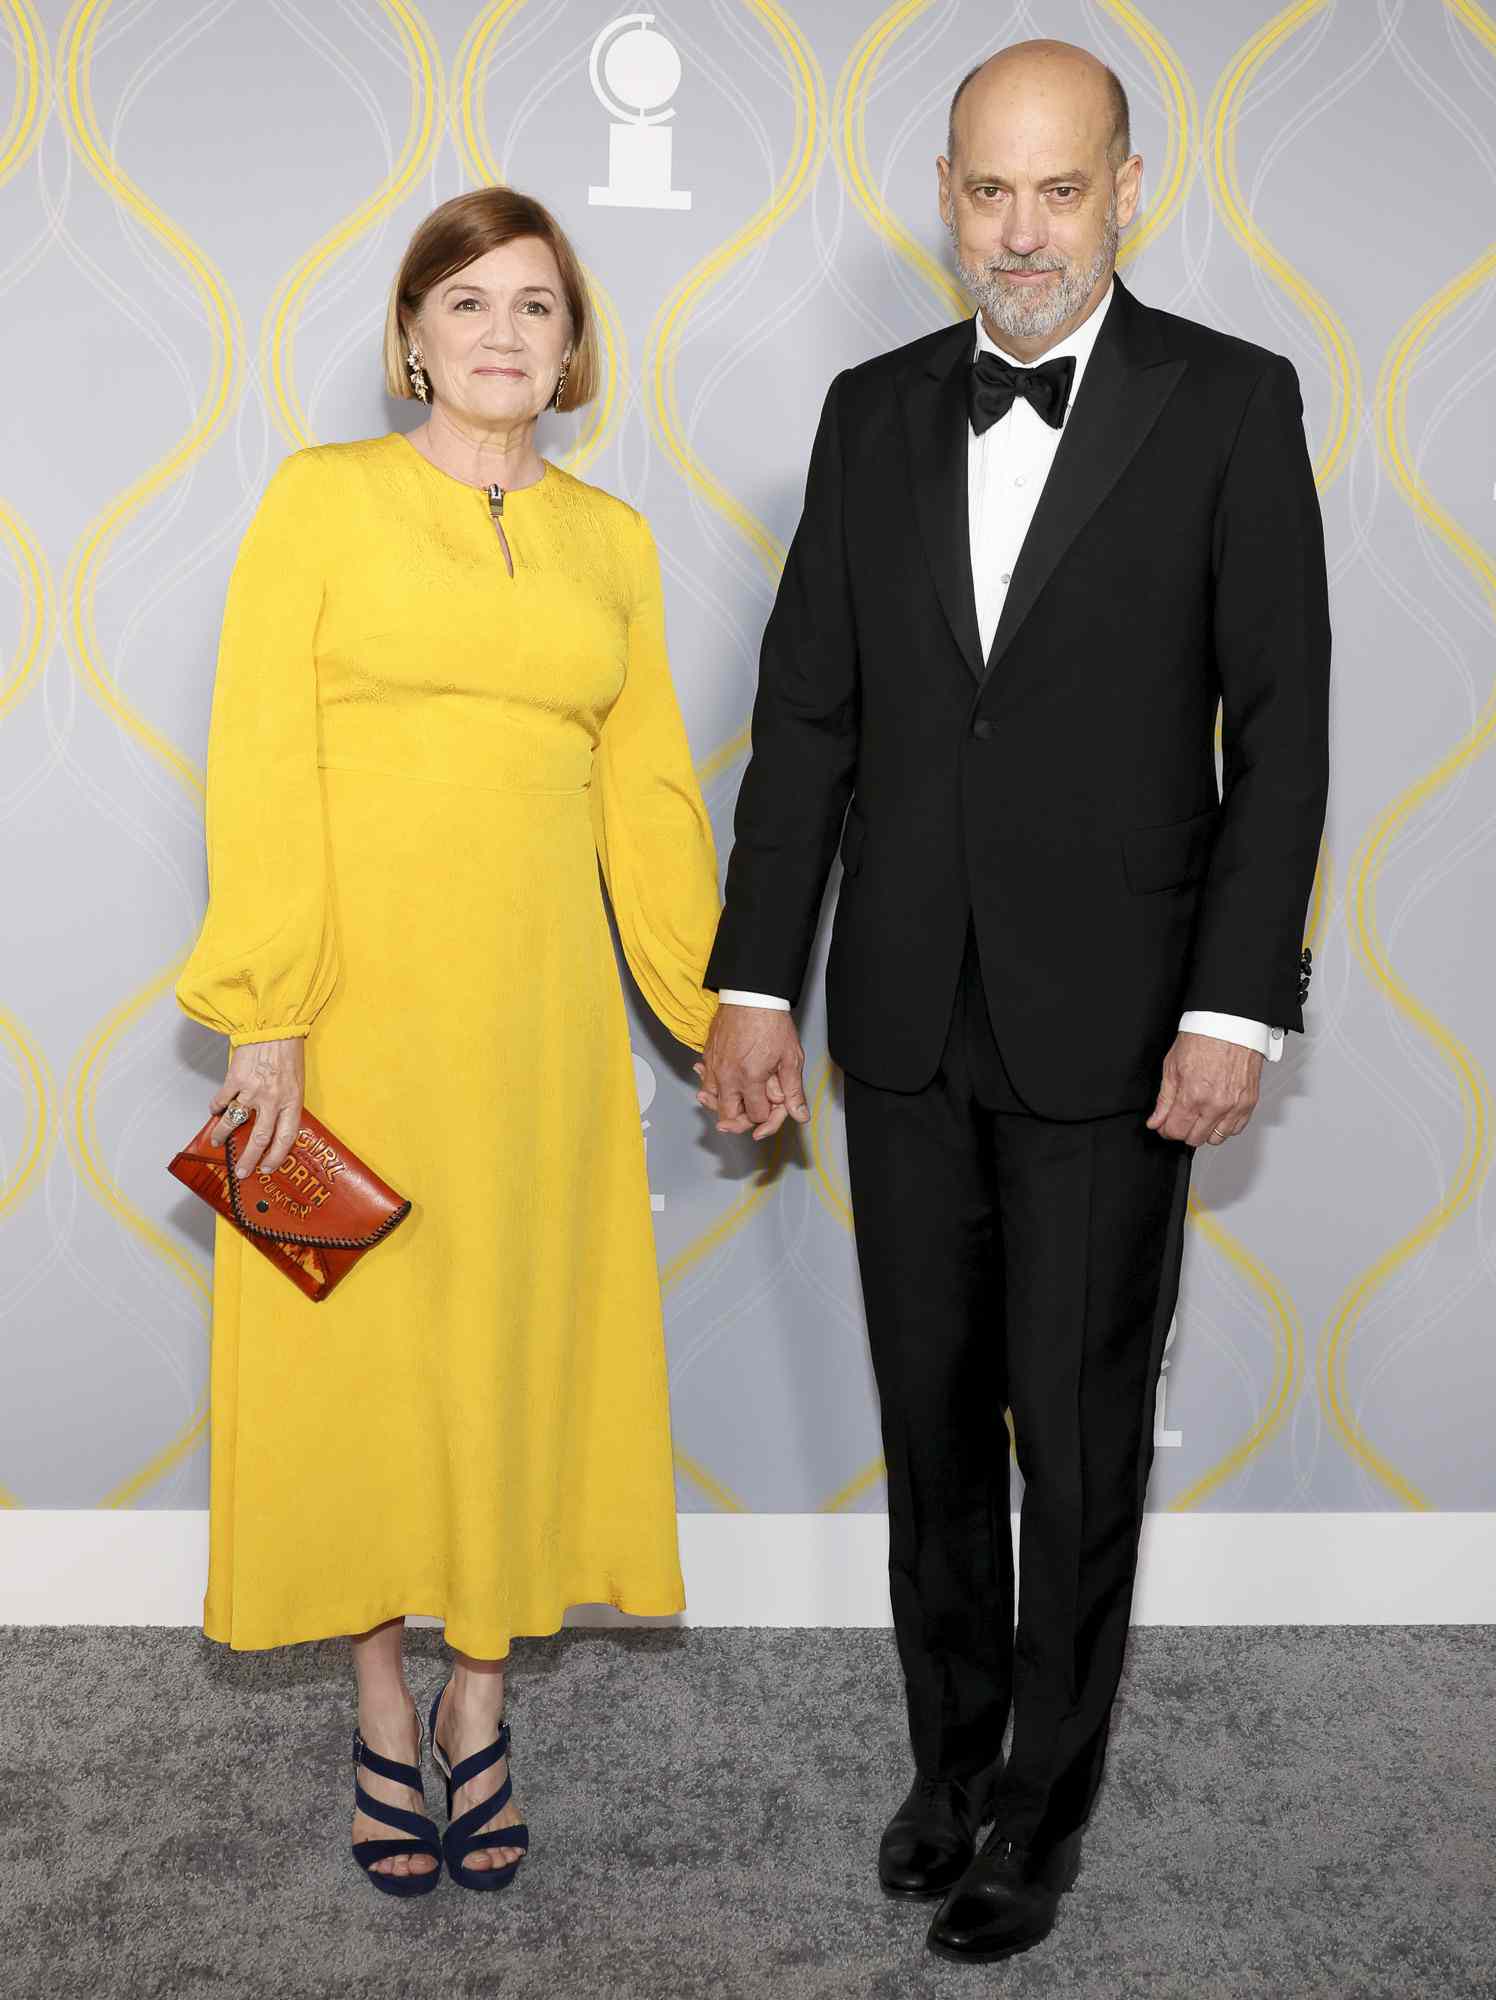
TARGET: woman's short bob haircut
(450,238)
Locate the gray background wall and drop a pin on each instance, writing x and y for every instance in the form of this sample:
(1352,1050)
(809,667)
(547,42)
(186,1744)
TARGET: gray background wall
(200,209)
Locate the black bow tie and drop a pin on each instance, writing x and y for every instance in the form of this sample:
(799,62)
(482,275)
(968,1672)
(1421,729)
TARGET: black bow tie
(992,385)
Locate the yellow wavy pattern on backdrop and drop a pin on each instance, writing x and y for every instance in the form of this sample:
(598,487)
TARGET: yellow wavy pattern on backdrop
(28,110)
(1222,121)
(23,130)
(1365,869)
(76,109)
(807,93)
(422,136)
(38,607)
(82,1107)
(39,1128)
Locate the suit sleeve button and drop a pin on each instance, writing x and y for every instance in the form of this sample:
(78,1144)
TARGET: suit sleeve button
(981,729)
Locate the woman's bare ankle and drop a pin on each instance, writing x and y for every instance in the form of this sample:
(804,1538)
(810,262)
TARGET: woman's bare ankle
(475,1698)
(386,1706)
(388,1714)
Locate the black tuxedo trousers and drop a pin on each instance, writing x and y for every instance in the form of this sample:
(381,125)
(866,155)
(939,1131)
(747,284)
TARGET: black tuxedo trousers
(1011,1261)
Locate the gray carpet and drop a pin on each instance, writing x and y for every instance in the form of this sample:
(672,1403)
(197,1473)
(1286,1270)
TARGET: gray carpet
(1286,1813)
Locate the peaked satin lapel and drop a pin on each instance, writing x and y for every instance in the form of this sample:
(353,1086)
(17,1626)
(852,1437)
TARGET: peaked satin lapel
(934,398)
(1128,379)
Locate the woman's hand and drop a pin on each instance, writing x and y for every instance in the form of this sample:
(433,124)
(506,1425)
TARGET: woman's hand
(268,1078)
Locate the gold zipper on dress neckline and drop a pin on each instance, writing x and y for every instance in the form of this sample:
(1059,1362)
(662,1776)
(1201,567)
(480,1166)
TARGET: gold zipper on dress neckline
(496,515)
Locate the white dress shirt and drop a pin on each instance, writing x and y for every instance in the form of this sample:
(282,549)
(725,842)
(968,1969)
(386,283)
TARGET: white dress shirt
(1006,468)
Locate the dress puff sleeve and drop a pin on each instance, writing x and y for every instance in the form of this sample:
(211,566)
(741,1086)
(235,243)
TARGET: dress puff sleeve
(654,839)
(266,957)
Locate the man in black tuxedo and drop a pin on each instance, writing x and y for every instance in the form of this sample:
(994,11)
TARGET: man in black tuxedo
(1035,553)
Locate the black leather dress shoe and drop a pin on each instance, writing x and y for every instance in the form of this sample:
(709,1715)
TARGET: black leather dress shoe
(1006,1900)
(928,1844)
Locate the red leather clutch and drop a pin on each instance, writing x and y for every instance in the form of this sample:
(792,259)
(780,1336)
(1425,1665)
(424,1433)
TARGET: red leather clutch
(314,1217)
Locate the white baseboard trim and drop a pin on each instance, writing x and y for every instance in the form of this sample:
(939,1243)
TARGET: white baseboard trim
(146,1568)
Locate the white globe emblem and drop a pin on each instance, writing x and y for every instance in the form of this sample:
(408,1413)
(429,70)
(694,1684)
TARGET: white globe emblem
(642,71)
(644,1083)
(635,72)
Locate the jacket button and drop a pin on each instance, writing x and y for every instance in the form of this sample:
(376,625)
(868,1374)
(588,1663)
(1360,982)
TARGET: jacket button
(981,729)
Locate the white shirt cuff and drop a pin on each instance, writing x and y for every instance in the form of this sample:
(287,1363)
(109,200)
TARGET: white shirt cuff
(1225,1027)
(736,998)
(1236,1028)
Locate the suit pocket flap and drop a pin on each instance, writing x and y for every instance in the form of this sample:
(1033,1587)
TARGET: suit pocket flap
(853,835)
(1159,857)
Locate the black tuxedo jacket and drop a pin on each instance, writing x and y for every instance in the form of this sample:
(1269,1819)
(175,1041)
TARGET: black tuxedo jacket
(1063,790)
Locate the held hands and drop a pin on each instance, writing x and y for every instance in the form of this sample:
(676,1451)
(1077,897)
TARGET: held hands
(1209,1090)
(268,1078)
(752,1070)
(753,1066)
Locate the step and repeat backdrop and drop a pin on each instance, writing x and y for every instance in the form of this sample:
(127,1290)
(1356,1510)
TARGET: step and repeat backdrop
(201,206)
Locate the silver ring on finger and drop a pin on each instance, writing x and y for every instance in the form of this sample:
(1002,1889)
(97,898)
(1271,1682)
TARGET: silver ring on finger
(235,1115)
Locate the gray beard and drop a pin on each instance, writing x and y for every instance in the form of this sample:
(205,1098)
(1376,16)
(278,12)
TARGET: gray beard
(1015,312)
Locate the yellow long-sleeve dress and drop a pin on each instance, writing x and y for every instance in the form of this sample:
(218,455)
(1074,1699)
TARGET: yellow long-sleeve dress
(416,762)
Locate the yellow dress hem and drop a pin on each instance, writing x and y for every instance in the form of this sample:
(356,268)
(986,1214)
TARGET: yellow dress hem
(477,1642)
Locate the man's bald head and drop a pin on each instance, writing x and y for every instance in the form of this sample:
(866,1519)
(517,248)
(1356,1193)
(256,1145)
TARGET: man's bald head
(1053,66)
(1039,183)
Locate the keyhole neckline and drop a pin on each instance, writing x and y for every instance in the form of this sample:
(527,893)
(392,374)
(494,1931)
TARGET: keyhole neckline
(510,492)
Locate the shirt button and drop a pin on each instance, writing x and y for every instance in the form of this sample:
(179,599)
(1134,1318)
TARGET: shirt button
(981,729)
(1277,1034)
(1019,480)
(1006,577)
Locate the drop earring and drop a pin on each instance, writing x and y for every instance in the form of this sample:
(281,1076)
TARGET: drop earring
(417,376)
(560,384)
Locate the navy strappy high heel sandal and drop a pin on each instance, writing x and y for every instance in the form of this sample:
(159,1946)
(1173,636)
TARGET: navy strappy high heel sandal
(464,1835)
(424,1838)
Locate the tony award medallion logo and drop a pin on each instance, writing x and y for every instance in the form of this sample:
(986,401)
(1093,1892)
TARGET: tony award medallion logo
(644,1083)
(634,73)
(1163,1437)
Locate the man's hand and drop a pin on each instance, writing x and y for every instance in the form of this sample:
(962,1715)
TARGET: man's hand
(1209,1090)
(752,1070)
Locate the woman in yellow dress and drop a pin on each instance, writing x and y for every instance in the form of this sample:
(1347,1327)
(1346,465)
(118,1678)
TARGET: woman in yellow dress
(442,700)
